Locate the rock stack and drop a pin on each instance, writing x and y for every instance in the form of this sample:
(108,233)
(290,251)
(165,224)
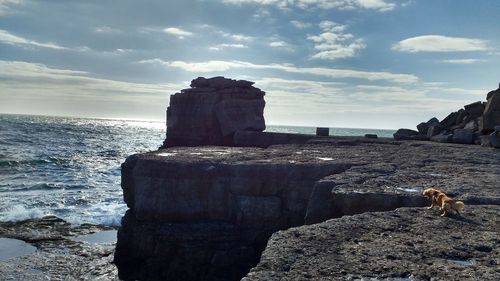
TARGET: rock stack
(476,123)
(212,110)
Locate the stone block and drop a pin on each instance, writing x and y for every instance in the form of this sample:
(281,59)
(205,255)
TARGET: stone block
(464,136)
(322,131)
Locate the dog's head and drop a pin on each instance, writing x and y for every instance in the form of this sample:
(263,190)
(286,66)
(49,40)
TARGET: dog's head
(430,192)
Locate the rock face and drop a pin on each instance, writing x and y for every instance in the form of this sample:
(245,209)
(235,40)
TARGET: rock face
(491,115)
(212,110)
(466,126)
(205,213)
(406,244)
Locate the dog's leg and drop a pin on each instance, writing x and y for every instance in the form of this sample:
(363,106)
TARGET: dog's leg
(431,206)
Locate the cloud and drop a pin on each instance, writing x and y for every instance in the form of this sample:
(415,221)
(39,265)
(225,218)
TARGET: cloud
(236,37)
(221,66)
(9,38)
(180,33)
(5,5)
(278,44)
(377,5)
(35,75)
(225,46)
(300,24)
(106,29)
(438,43)
(334,43)
(463,61)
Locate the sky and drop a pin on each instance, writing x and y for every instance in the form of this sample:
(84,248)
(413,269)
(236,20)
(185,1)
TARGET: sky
(340,63)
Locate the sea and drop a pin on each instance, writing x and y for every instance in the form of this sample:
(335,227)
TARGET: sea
(70,167)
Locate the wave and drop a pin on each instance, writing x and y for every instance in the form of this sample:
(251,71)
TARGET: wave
(110,215)
(32,162)
(20,212)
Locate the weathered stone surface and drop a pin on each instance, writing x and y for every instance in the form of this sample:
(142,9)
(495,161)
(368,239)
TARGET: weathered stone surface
(442,137)
(202,208)
(212,110)
(474,110)
(434,130)
(409,244)
(239,114)
(405,134)
(59,255)
(424,126)
(449,120)
(491,115)
(399,177)
(465,136)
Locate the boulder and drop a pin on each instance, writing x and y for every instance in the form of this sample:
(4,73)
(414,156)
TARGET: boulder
(442,137)
(449,120)
(461,115)
(464,136)
(424,126)
(474,110)
(212,110)
(491,114)
(405,134)
(434,130)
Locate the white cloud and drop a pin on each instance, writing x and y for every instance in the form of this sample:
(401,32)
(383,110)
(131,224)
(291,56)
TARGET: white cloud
(66,80)
(438,43)
(180,33)
(12,39)
(463,61)
(377,5)
(237,37)
(106,29)
(300,24)
(278,44)
(221,66)
(225,46)
(5,5)
(334,43)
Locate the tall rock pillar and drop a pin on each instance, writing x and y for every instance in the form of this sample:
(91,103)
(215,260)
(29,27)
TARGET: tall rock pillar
(212,110)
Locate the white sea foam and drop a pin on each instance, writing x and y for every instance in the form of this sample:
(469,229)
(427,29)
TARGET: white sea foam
(20,212)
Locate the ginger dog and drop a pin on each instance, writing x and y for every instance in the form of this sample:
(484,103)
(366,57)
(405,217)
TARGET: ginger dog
(445,203)
(431,193)
(448,204)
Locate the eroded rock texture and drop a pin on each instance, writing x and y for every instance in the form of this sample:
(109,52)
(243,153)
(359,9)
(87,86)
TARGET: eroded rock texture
(205,213)
(406,244)
(212,110)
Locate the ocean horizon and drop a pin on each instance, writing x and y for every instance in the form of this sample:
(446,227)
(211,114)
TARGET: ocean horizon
(70,167)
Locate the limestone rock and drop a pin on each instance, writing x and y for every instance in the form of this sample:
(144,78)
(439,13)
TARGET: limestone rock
(465,136)
(449,120)
(474,110)
(405,134)
(405,244)
(424,126)
(212,110)
(491,115)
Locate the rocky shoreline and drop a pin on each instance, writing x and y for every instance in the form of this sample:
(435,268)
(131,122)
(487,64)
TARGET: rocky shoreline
(63,251)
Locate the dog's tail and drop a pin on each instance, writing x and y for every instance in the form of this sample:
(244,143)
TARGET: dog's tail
(458,205)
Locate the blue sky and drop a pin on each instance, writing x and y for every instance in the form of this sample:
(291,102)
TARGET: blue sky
(339,63)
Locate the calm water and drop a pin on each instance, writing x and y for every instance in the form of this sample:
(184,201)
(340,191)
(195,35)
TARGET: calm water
(70,167)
